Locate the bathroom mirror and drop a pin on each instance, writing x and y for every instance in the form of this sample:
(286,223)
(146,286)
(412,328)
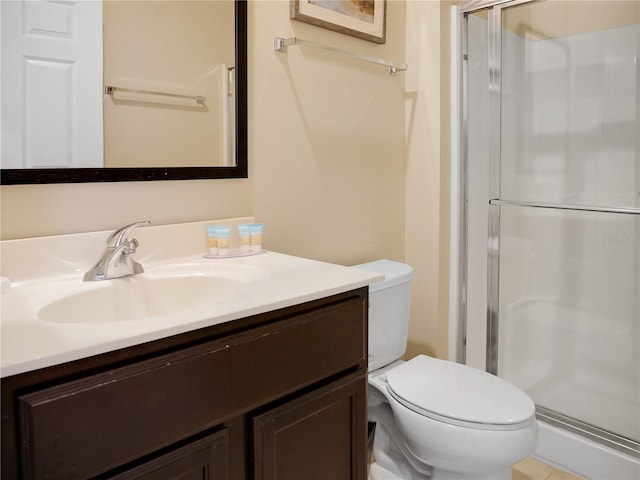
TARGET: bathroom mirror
(132,94)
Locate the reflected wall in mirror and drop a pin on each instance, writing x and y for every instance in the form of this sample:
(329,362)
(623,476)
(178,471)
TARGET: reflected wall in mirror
(166,101)
(181,48)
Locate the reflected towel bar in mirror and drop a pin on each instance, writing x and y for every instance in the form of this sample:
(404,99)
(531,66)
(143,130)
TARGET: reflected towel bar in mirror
(280,44)
(110,89)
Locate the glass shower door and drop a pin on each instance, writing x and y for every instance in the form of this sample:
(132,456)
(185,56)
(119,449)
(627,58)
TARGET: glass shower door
(567,213)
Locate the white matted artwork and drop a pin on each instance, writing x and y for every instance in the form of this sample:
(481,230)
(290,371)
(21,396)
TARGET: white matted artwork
(364,19)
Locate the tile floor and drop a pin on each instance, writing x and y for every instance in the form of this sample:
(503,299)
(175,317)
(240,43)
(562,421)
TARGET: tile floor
(528,469)
(532,469)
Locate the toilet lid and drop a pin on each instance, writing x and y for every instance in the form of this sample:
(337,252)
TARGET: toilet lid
(459,394)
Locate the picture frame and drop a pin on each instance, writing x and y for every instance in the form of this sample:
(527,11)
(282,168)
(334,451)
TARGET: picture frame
(365,19)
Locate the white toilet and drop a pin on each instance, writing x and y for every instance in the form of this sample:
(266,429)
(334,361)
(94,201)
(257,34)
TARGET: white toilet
(436,419)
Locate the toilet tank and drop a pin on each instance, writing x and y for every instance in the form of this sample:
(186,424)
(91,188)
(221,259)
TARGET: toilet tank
(389,302)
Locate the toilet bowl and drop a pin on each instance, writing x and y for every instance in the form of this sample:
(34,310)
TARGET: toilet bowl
(436,419)
(462,422)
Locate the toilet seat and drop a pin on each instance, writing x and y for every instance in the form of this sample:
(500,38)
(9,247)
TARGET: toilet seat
(459,394)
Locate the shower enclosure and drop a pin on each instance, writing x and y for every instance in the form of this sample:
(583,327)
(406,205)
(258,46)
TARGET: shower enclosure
(549,184)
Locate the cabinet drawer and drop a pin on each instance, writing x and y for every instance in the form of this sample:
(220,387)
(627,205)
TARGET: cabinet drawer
(91,425)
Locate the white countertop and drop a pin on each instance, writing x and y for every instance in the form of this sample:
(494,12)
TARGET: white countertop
(273,281)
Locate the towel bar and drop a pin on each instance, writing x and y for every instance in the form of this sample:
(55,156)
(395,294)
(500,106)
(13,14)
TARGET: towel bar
(280,44)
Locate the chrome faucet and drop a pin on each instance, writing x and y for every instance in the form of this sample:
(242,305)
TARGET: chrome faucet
(116,261)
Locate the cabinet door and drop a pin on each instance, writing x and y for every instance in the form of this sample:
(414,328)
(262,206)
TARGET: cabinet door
(319,436)
(205,459)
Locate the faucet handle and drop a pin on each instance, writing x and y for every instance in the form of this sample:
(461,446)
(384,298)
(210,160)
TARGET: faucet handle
(118,237)
(131,246)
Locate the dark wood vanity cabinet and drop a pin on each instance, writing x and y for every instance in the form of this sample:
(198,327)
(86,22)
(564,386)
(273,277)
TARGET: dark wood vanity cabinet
(280,395)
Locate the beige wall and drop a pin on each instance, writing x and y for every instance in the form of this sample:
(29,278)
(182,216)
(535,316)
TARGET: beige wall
(444,220)
(427,191)
(327,150)
(337,170)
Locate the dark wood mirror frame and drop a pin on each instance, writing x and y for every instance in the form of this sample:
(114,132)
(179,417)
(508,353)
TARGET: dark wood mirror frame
(84,175)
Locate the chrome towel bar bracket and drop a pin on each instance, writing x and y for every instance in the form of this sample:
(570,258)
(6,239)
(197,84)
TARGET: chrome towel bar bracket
(280,44)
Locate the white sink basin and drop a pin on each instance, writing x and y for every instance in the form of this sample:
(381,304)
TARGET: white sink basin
(139,297)
(177,292)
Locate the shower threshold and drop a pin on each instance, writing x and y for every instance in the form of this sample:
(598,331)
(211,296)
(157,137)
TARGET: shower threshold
(595,434)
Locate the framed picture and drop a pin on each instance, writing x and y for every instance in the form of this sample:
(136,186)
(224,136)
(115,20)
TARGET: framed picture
(364,19)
